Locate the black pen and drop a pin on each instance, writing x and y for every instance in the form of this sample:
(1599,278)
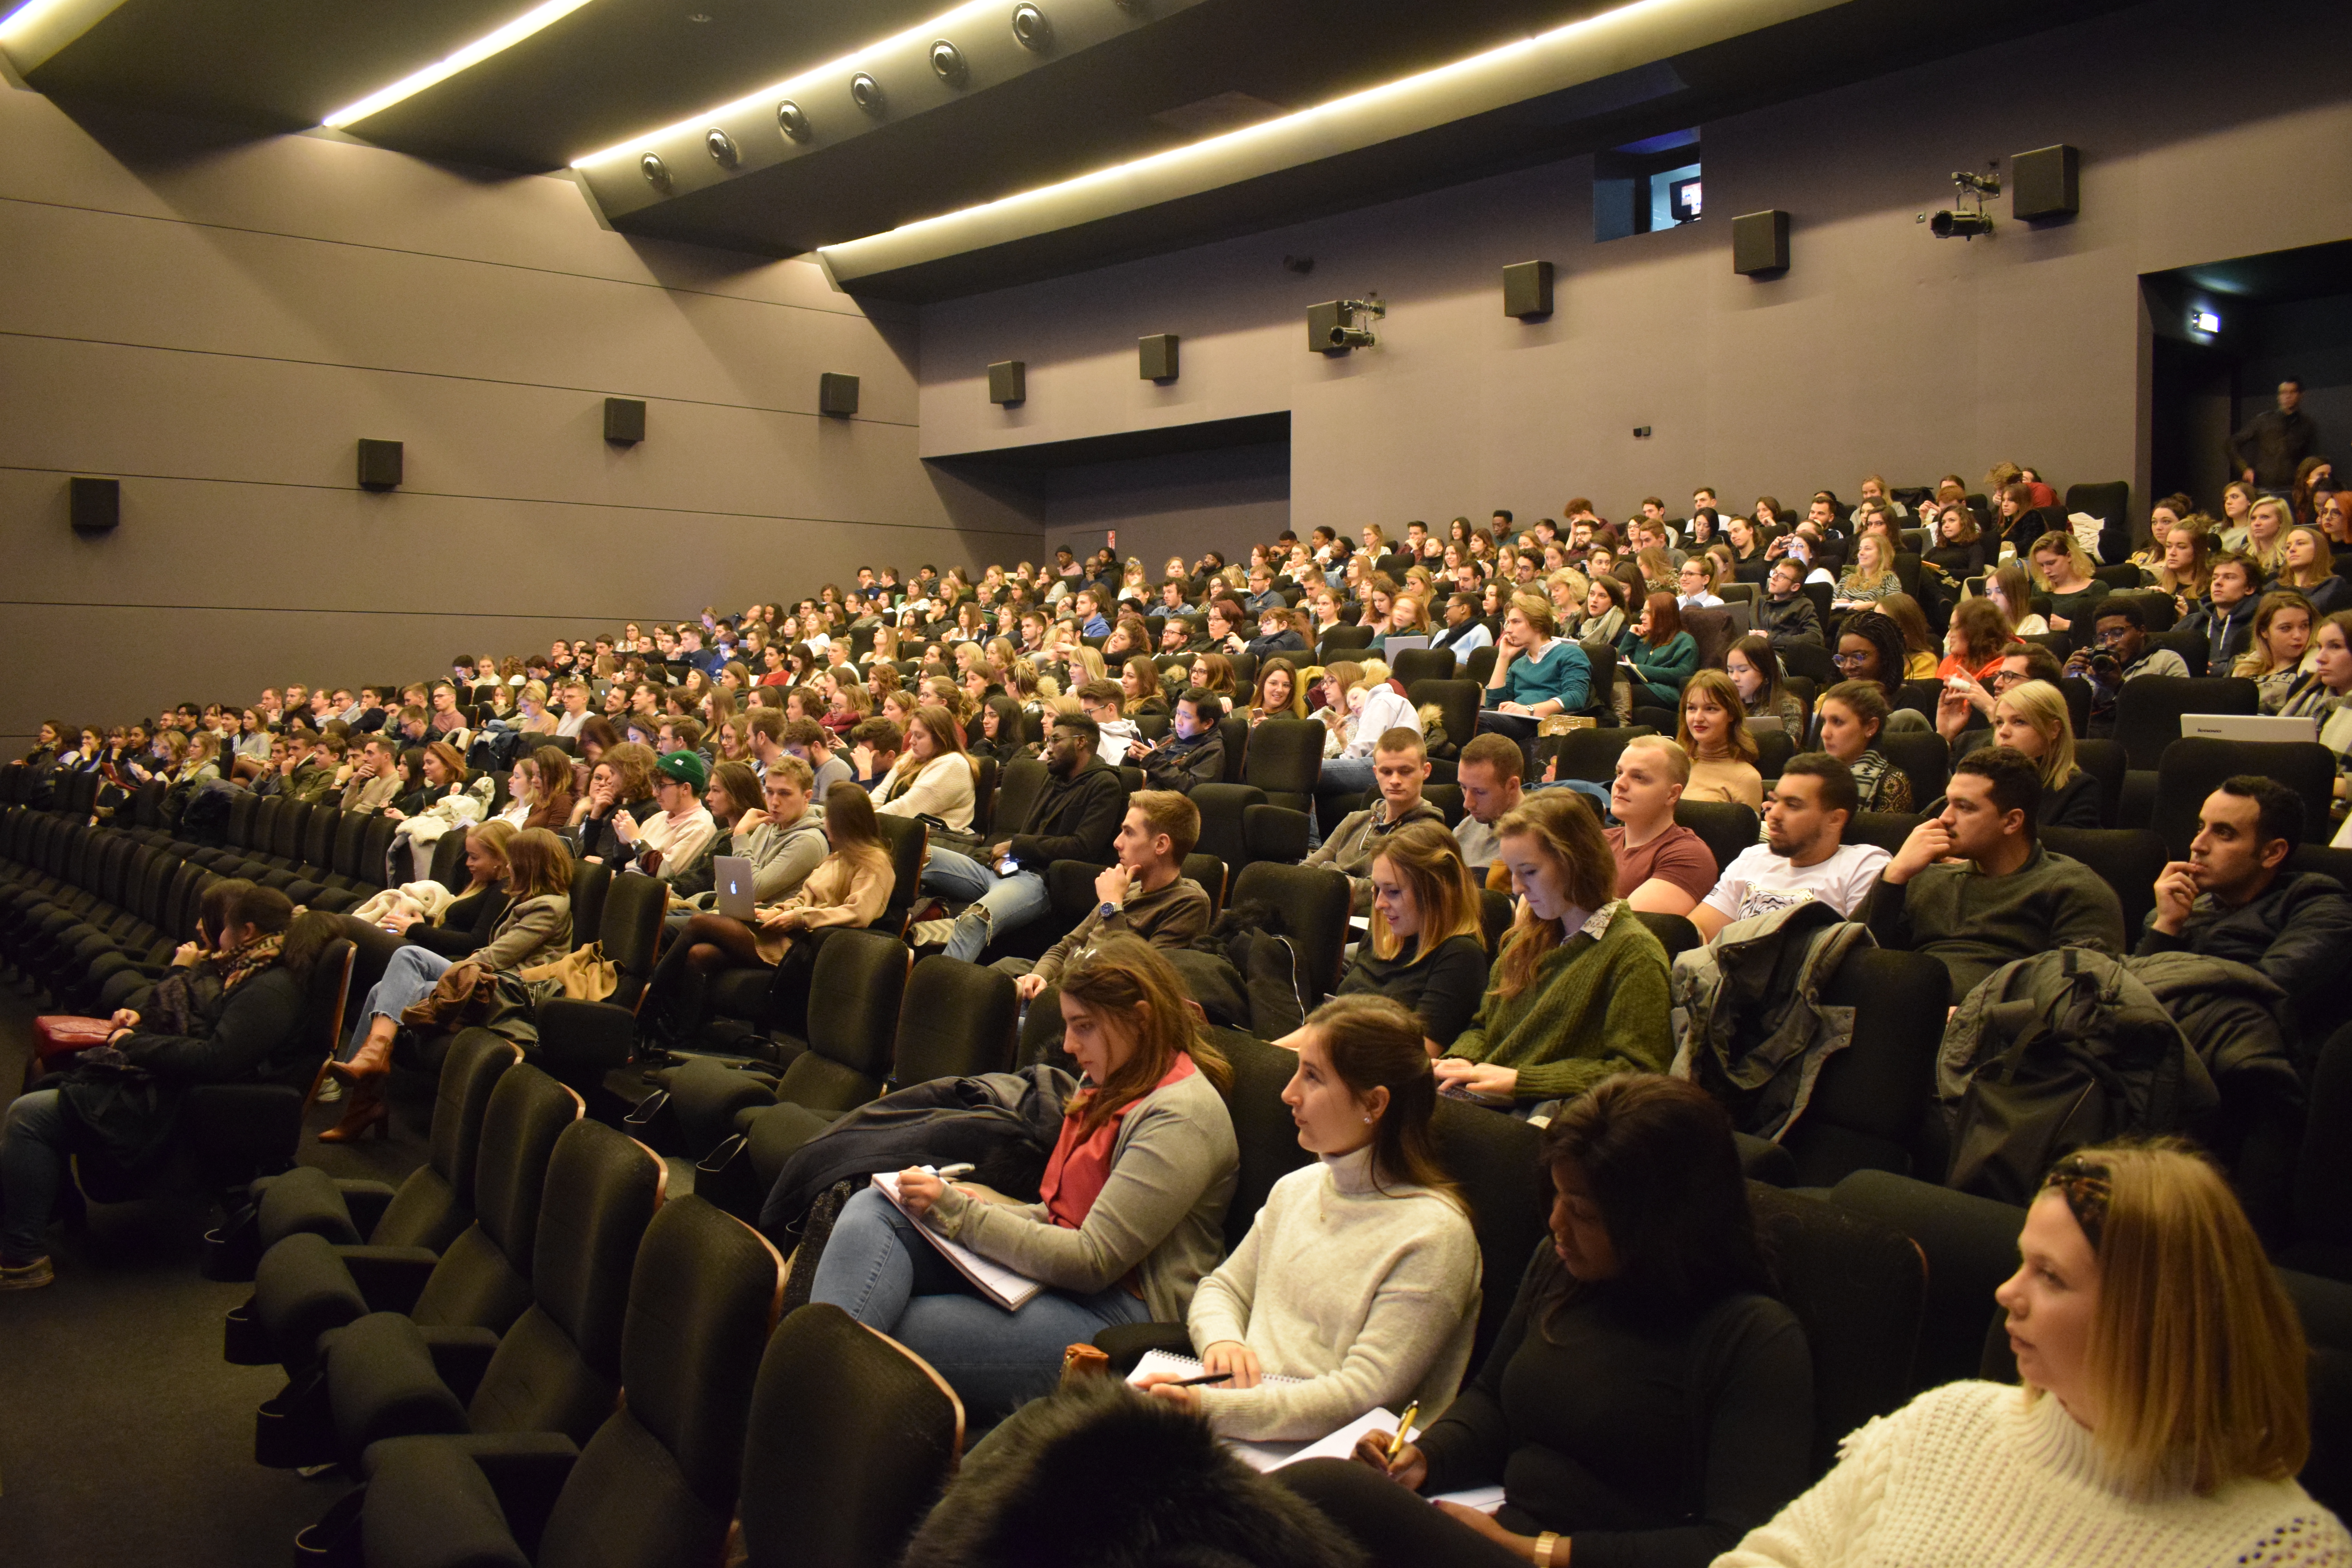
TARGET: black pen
(1196,1381)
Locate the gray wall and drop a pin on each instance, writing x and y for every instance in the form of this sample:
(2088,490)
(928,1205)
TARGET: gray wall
(220,326)
(1880,349)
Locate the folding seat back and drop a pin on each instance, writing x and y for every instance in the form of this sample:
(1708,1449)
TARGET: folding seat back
(1924,756)
(957,1021)
(1416,664)
(1480,665)
(1457,700)
(183,902)
(1276,834)
(2129,859)
(983,785)
(1221,806)
(1726,827)
(1970,1245)
(589,882)
(558,1367)
(81,795)
(1674,932)
(483,1279)
(909,842)
(893,1431)
(1341,641)
(862,977)
(1495,1161)
(1285,760)
(262,826)
(629,926)
(147,806)
(1870,1098)
(2105,761)
(241,808)
(449,862)
(2194,767)
(350,833)
(1859,1288)
(1209,873)
(1018,785)
(318,839)
(1315,902)
(1265,1131)
(1591,755)
(1887,829)
(376,848)
(2149,711)
(657,1483)
(1233,730)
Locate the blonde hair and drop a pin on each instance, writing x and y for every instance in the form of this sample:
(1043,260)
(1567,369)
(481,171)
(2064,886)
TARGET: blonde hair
(1428,861)
(2043,706)
(1677,760)
(1539,612)
(2198,1361)
(1864,578)
(2057,544)
(2323,560)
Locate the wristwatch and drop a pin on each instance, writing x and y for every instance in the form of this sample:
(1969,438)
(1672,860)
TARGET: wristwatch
(1106,909)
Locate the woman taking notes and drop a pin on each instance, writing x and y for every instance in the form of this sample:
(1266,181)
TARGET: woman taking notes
(1132,1213)
(1360,1277)
(2164,1417)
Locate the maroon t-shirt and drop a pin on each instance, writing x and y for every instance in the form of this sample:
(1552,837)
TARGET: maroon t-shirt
(1677,856)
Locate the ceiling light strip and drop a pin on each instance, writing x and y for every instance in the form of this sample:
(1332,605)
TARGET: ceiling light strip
(39,28)
(763,101)
(442,70)
(1589,49)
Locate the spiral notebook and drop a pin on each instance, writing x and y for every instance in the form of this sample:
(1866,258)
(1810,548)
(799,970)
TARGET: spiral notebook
(1006,1288)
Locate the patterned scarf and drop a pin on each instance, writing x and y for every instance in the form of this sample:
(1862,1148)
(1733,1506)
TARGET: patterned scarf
(242,963)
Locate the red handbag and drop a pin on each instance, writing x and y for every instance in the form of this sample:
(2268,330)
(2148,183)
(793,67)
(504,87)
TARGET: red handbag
(60,1034)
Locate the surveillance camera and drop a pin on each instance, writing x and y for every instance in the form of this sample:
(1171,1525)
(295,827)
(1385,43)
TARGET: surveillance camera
(1351,338)
(1967,226)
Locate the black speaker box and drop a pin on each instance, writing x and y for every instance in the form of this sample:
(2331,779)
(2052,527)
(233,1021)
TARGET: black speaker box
(1155,357)
(1527,289)
(379,465)
(624,421)
(1008,381)
(94,505)
(1759,243)
(836,394)
(1322,320)
(2045,183)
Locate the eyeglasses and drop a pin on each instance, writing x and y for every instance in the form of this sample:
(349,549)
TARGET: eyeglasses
(2110,636)
(1849,660)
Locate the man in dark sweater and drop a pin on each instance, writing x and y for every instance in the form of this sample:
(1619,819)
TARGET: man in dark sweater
(1974,887)
(1193,752)
(2232,899)
(1399,766)
(2267,450)
(1787,616)
(1074,819)
(1145,894)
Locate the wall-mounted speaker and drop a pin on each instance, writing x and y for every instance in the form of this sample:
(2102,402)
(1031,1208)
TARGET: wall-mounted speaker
(1008,381)
(94,505)
(1527,289)
(836,394)
(379,465)
(1759,243)
(1155,357)
(2045,183)
(625,420)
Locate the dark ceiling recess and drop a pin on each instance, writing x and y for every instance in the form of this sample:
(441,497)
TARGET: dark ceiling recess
(2279,276)
(1208,434)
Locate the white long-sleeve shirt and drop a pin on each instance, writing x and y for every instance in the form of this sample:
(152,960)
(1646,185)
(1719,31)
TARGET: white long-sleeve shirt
(941,788)
(1384,708)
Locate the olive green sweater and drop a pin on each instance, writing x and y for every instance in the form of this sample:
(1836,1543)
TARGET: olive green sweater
(1596,1007)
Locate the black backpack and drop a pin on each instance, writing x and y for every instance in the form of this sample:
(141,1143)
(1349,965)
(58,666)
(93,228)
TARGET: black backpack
(2049,1055)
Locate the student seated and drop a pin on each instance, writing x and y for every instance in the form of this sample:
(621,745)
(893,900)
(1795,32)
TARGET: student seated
(1103,701)
(1715,738)
(241,1025)
(1803,855)
(1537,674)
(1145,894)
(932,778)
(1192,753)
(2031,718)
(1648,1399)
(2163,1416)
(1360,1277)
(1658,655)
(1427,946)
(2119,653)
(1399,764)
(1488,772)
(1848,720)
(535,929)
(1131,1216)
(1360,712)
(874,747)
(2233,899)
(1578,991)
(1074,818)
(1662,866)
(670,842)
(1975,888)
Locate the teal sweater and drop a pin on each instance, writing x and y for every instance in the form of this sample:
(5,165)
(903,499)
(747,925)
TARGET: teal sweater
(1668,666)
(1596,1007)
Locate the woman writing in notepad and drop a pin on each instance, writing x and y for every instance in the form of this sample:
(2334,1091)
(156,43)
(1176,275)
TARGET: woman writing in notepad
(1647,1400)
(1132,1209)
(1360,1277)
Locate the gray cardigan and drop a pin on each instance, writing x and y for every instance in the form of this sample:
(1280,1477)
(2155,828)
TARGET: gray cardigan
(1161,1215)
(534,931)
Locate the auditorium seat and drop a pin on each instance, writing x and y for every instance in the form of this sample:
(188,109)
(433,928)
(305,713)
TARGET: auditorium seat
(2193,767)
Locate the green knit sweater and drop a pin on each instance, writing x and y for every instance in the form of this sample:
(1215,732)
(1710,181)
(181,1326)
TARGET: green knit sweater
(1596,1007)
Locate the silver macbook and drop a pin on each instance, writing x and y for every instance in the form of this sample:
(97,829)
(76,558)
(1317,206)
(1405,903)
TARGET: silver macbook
(2247,727)
(1397,645)
(731,880)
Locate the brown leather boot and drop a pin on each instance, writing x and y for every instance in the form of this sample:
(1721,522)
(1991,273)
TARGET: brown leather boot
(372,1060)
(364,1109)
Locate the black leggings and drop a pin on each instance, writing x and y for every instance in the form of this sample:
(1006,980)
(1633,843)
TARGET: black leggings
(1397,1529)
(709,944)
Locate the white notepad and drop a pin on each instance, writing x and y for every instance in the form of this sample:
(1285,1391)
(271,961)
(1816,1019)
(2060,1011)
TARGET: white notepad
(1006,1288)
(1336,1445)
(1186,1366)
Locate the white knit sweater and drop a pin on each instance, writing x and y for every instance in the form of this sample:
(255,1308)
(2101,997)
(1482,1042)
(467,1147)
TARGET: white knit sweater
(1371,1296)
(1971,1473)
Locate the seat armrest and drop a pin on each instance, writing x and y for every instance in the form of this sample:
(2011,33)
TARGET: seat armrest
(1765,1162)
(460,1356)
(390,1279)
(366,1201)
(584,1036)
(518,1474)
(1127,1344)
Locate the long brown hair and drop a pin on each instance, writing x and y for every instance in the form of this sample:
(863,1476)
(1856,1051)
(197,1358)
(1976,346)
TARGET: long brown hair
(853,828)
(553,807)
(1718,688)
(537,864)
(1568,835)
(1425,857)
(1373,1042)
(1665,619)
(1125,977)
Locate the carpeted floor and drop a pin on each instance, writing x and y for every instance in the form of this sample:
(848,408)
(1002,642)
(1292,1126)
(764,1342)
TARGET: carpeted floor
(124,1438)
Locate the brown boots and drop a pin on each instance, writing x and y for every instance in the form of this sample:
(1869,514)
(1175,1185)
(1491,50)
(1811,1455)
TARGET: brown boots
(363,1093)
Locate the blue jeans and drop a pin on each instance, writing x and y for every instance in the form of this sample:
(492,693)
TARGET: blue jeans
(880,1272)
(1009,902)
(34,1147)
(408,979)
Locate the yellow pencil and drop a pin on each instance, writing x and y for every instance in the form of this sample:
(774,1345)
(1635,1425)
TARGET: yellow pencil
(1396,1444)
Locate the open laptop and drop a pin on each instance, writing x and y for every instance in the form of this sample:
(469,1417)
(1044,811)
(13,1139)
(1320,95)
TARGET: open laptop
(1396,646)
(2247,727)
(731,880)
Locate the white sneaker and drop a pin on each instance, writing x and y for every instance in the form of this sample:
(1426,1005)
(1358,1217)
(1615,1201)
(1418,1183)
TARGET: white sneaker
(27,1276)
(330,1092)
